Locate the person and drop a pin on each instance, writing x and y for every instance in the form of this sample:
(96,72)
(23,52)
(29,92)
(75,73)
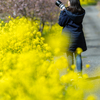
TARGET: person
(71,19)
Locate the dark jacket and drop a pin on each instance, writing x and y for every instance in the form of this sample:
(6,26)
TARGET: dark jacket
(72,22)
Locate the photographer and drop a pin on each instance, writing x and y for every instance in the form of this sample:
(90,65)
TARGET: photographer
(71,19)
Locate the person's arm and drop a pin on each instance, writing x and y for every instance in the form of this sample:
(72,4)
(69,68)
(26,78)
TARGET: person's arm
(62,18)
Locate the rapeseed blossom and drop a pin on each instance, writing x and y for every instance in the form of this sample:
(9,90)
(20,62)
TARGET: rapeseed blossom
(87,65)
(28,67)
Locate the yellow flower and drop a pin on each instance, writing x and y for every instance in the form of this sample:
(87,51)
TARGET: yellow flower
(85,76)
(48,54)
(42,39)
(79,50)
(39,33)
(73,66)
(87,65)
(48,48)
(91,97)
(1,73)
(2,21)
(38,47)
(57,51)
(68,69)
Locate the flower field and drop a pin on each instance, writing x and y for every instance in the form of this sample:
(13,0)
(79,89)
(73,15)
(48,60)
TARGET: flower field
(28,68)
(88,2)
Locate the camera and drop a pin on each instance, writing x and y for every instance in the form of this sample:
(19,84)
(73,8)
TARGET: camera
(60,4)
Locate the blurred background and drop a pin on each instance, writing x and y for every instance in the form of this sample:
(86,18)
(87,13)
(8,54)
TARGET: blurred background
(38,10)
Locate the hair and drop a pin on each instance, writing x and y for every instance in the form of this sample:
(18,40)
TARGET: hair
(75,6)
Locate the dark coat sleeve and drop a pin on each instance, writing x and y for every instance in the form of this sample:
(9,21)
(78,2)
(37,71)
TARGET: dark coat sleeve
(63,19)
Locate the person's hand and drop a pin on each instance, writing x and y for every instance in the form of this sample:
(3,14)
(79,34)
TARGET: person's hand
(61,9)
